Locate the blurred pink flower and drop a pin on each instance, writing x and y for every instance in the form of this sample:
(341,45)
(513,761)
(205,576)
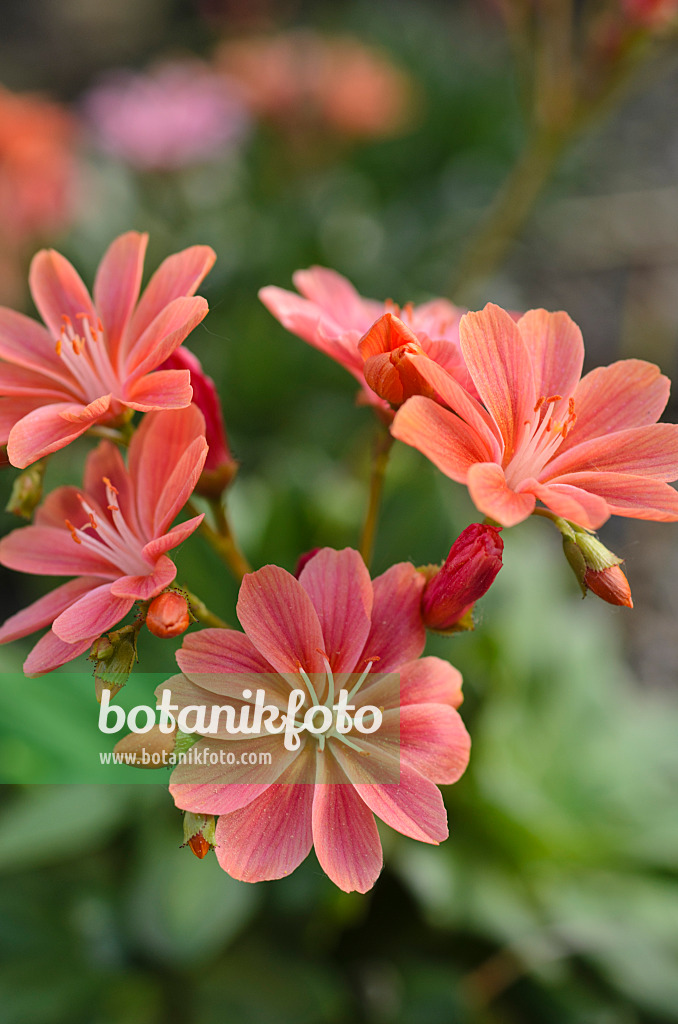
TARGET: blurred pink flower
(37,166)
(169,117)
(587,449)
(95,360)
(651,13)
(331,315)
(331,623)
(302,78)
(220,466)
(112,536)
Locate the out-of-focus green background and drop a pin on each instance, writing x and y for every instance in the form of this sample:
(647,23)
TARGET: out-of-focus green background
(556,897)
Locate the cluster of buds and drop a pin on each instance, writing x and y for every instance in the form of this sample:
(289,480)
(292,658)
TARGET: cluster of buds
(469,571)
(114,656)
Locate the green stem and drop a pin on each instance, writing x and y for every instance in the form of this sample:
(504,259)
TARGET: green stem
(223,540)
(382,450)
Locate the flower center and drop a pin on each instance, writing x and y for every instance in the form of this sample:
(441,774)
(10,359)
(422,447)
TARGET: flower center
(114,541)
(84,352)
(328,683)
(542,436)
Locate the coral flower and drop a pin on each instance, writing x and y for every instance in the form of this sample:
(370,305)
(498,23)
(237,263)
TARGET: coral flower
(113,536)
(94,360)
(586,448)
(331,628)
(331,315)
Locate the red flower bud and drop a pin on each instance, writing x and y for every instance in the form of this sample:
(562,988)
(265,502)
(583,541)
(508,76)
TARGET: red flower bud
(304,559)
(220,466)
(611,584)
(168,615)
(199,846)
(469,571)
(386,349)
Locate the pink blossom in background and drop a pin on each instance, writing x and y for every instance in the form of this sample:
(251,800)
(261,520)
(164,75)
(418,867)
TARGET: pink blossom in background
(587,448)
(112,536)
(169,117)
(651,13)
(95,359)
(302,78)
(330,315)
(331,622)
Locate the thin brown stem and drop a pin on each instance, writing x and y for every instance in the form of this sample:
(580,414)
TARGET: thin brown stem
(382,450)
(223,540)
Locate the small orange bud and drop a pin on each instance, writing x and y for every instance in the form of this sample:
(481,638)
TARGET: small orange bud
(199,846)
(168,615)
(611,584)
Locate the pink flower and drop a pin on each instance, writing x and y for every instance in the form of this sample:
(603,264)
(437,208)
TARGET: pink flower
(94,360)
(469,571)
(112,536)
(329,626)
(651,13)
(173,116)
(586,448)
(220,466)
(332,317)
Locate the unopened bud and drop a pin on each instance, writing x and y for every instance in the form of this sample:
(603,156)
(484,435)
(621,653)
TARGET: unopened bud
(114,656)
(168,615)
(386,349)
(597,568)
(199,832)
(150,749)
(27,491)
(474,560)
(304,560)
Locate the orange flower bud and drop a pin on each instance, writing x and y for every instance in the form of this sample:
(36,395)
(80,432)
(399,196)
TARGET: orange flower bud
(199,846)
(168,615)
(386,349)
(611,584)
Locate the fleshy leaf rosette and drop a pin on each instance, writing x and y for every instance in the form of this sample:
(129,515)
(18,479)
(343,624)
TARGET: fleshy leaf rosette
(333,626)
(97,358)
(112,536)
(587,448)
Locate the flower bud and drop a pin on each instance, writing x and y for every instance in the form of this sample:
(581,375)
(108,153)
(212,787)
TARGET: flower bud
(27,491)
(386,349)
(199,832)
(304,560)
(474,560)
(140,748)
(597,568)
(114,656)
(220,466)
(168,615)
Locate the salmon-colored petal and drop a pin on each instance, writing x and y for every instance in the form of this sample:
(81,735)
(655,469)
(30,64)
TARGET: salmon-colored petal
(46,430)
(430,681)
(14,409)
(638,497)
(180,484)
(226,662)
(628,393)
(573,503)
(159,443)
(106,463)
(340,589)
(117,284)
(336,296)
(501,368)
(43,611)
(46,551)
(91,615)
(433,739)
(309,322)
(279,618)
(26,343)
(177,535)
(58,290)
(345,834)
(163,389)
(143,587)
(209,784)
(165,333)
(50,652)
(441,436)
(395,792)
(178,275)
(61,504)
(556,350)
(643,451)
(397,633)
(270,837)
(22,381)
(492,496)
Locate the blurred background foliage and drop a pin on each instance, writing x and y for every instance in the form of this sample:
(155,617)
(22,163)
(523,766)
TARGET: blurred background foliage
(556,897)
